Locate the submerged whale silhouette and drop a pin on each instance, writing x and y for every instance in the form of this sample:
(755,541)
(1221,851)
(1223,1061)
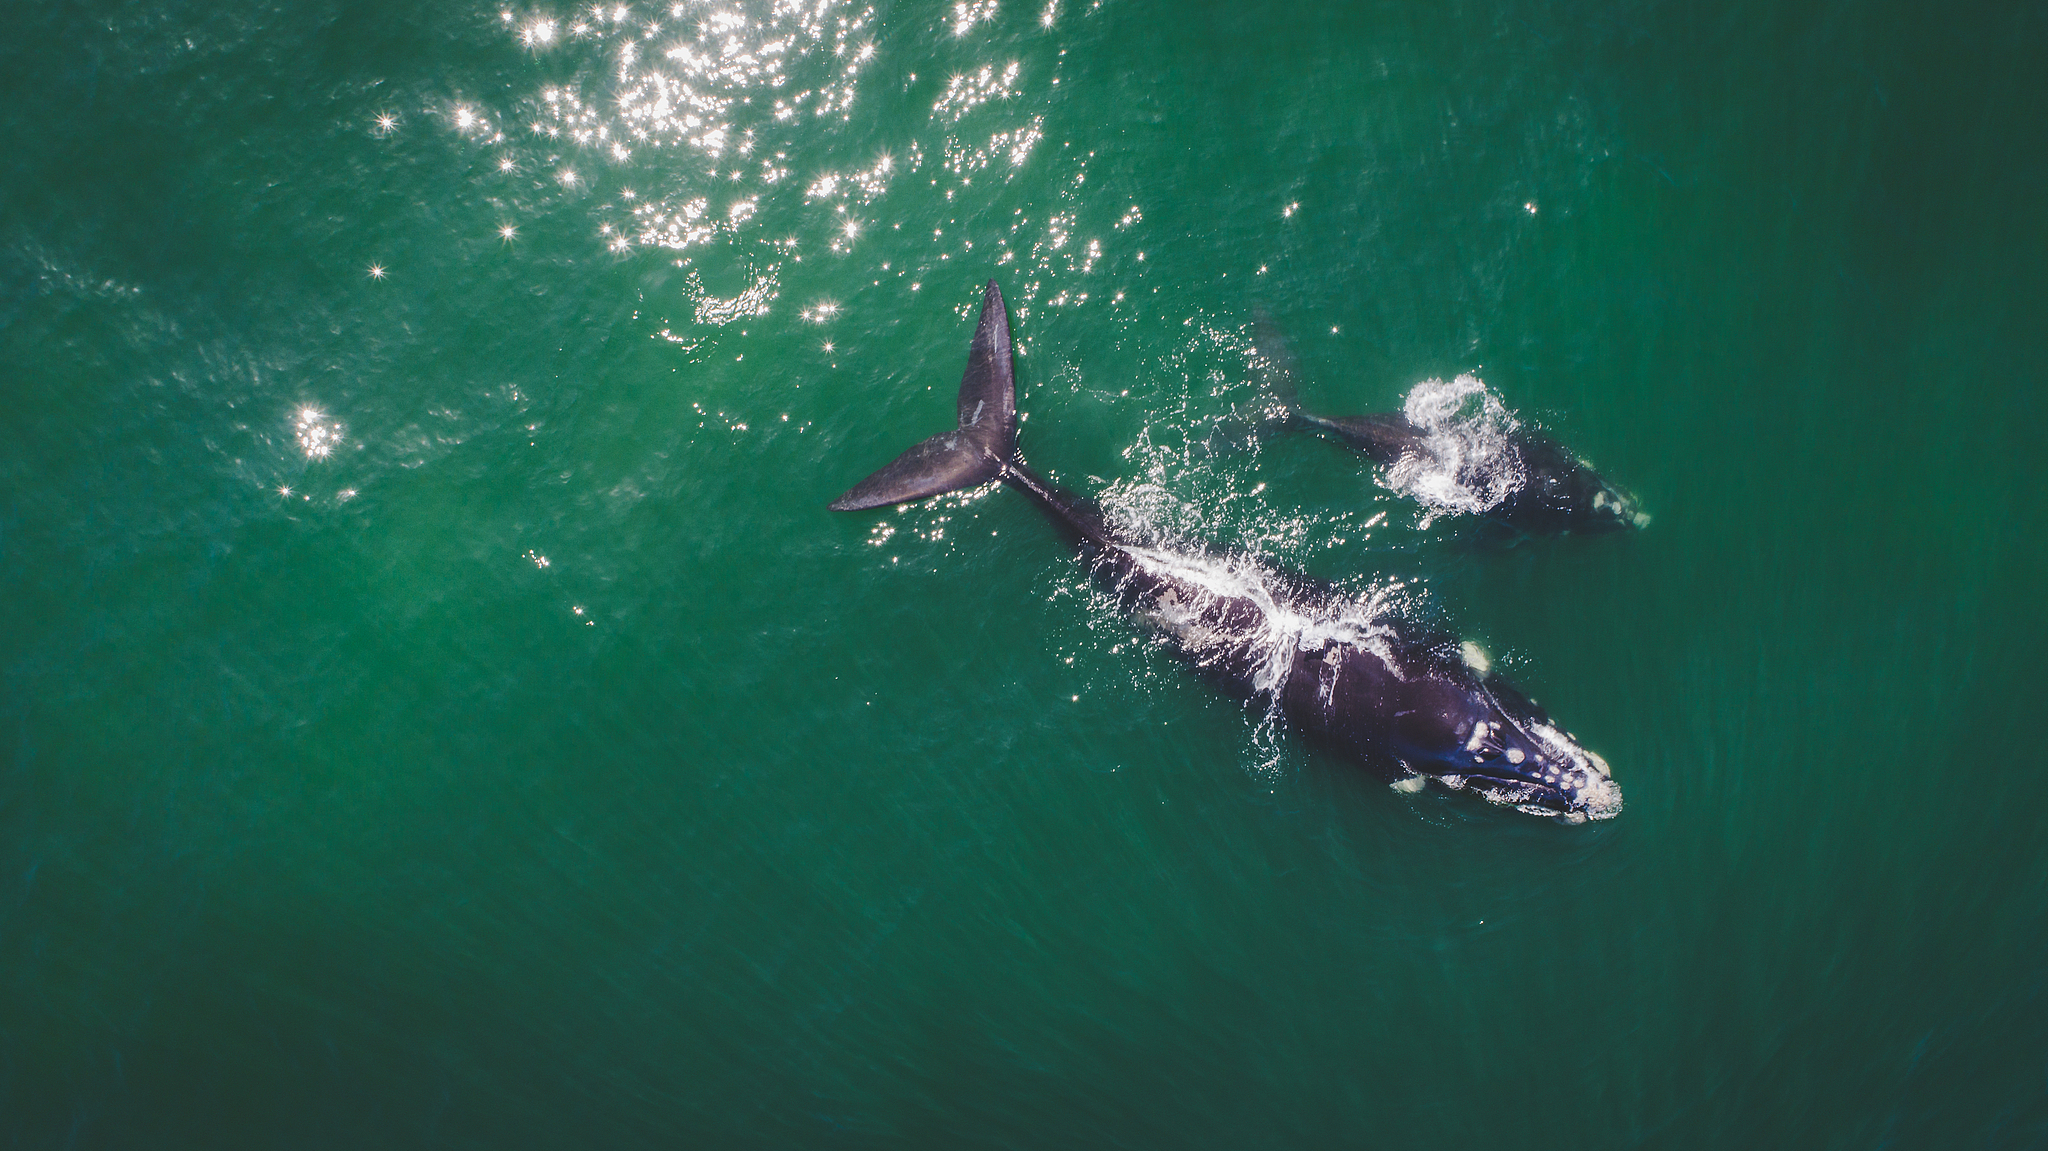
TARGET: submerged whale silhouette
(1409,704)
(1528,484)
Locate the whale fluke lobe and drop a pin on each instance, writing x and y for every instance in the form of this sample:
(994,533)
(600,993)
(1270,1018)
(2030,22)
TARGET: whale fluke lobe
(980,449)
(947,462)
(988,389)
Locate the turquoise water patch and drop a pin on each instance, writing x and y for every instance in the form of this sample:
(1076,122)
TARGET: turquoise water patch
(439,709)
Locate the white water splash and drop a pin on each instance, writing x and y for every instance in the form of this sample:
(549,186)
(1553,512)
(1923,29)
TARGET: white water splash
(1210,585)
(1464,462)
(1288,622)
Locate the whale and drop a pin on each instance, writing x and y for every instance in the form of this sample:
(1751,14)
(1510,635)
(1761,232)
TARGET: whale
(1407,703)
(1523,484)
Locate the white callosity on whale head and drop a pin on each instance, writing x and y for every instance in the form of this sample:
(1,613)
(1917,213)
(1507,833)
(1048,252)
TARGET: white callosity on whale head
(1578,783)
(1619,506)
(1475,657)
(1478,739)
(1587,779)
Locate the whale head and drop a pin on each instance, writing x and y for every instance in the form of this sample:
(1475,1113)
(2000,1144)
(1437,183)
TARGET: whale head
(1583,501)
(1615,510)
(1435,710)
(1486,736)
(1538,769)
(1560,492)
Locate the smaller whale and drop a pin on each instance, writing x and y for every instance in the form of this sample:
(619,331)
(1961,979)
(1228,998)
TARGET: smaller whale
(1455,449)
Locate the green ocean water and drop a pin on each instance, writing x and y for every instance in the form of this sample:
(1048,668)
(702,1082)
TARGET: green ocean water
(437,709)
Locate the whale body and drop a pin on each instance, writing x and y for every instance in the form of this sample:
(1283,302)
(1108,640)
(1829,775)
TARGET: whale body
(1516,479)
(1410,705)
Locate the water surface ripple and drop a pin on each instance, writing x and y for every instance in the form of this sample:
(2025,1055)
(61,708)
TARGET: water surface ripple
(436,707)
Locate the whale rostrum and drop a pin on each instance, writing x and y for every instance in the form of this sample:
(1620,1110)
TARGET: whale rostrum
(1409,704)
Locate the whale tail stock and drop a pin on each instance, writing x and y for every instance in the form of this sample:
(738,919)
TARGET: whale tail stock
(1273,357)
(1380,437)
(984,445)
(1273,410)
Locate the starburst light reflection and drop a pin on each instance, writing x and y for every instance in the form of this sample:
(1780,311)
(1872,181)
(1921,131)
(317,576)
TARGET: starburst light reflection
(967,14)
(317,435)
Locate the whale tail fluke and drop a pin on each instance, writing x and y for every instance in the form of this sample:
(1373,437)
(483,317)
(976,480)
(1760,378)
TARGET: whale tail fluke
(944,463)
(981,448)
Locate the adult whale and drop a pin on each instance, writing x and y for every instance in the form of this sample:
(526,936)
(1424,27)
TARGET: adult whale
(1407,703)
(1520,481)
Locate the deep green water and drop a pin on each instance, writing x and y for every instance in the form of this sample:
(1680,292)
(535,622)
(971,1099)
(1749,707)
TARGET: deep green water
(437,709)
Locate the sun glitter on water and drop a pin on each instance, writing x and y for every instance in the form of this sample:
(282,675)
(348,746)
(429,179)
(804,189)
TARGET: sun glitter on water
(706,112)
(317,435)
